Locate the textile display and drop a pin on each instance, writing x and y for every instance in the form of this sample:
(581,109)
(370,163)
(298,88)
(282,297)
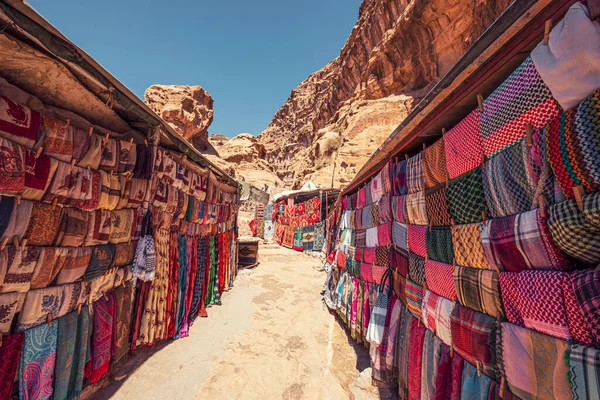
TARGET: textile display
(417,239)
(415,176)
(432,352)
(584,368)
(38,358)
(10,354)
(399,235)
(18,123)
(532,363)
(319,239)
(402,350)
(439,244)
(416,211)
(521,242)
(466,243)
(102,343)
(434,164)
(479,290)
(414,298)
(471,337)
(581,332)
(436,206)
(463,146)
(440,278)
(399,208)
(465,197)
(416,268)
(523,98)
(436,316)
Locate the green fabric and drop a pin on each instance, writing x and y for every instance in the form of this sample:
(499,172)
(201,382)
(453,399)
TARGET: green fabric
(71,353)
(439,244)
(466,201)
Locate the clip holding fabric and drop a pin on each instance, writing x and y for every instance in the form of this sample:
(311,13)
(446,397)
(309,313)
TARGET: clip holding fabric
(547,28)
(91,131)
(480,102)
(49,319)
(528,134)
(54,203)
(579,192)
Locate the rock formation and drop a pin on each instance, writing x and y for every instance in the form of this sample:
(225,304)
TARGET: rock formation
(188,109)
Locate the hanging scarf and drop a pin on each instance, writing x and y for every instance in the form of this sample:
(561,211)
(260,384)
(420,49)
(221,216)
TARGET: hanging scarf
(19,220)
(12,168)
(86,149)
(172,292)
(471,336)
(36,371)
(206,281)
(449,375)
(127,156)
(58,139)
(466,243)
(75,265)
(214,267)
(50,261)
(123,313)
(10,353)
(73,228)
(18,123)
(192,259)
(436,316)
(38,174)
(141,326)
(199,281)
(102,259)
(432,352)
(465,196)
(143,162)
(181,286)
(121,223)
(434,164)
(222,243)
(439,244)
(439,278)
(478,289)
(463,146)
(72,346)
(584,371)
(402,352)
(103,337)
(415,357)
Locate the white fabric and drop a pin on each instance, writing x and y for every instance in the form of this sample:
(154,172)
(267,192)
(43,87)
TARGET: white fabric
(570,63)
(439,323)
(372,240)
(376,188)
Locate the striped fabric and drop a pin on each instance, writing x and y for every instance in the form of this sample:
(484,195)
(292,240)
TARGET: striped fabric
(436,315)
(417,239)
(399,235)
(478,289)
(584,372)
(416,268)
(415,178)
(414,298)
(399,208)
(416,212)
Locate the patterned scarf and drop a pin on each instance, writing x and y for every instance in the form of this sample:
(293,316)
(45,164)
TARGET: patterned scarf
(416,211)
(434,164)
(416,268)
(98,230)
(308,237)
(58,139)
(466,242)
(121,223)
(38,175)
(10,352)
(432,352)
(414,298)
(402,351)
(586,286)
(199,281)
(75,265)
(463,146)
(584,372)
(399,208)
(123,300)
(521,242)
(466,201)
(44,224)
(319,239)
(9,303)
(399,235)
(436,316)
(298,246)
(399,178)
(415,177)
(102,259)
(474,385)
(470,335)
(72,347)
(18,123)
(36,370)
(577,233)
(436,206)
(384,234)
(415,358)
(12,168)
(523,98)
(533,364)
(417,240)
(478,289)
(181,286)
(439,244)
(103,337)
(18,268)
(439,278)
(73,228)
(449,375)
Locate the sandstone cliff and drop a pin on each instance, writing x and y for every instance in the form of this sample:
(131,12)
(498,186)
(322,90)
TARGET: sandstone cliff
(188,109)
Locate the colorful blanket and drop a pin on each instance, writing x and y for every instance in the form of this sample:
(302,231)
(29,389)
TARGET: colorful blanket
(18,123)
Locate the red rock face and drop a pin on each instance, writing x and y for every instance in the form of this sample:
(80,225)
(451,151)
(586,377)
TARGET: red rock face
(188,109)
(396,52)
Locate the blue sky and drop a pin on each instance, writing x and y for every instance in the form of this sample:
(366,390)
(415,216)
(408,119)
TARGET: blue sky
(249,55)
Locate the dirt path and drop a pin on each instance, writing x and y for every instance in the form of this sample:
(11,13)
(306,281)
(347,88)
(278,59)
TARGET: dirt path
(272,338)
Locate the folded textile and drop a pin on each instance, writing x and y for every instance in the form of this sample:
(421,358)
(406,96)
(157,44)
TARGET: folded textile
(12,167)
(109,160)
(50,262)
(54,301)
(123,301)
(414,298)
(432,352)
(101,285)
(449,375)
(39,173)
(436,315)
(385,209)
(415,177)
(415,359)
(586,286)
(374,215)
(533,364)
(144,263)
(87,149)
(434,164)
(474,385)
(417,239)
(18,123)
(463,146)
(439,244)
(366,217)
(399,261)
(372,237)
(376,185)
(584,371)
(121,224)
(98,228)
(57,138)
(572,51)
(399,208)
(384,234)
(465,197)
(111,189)
(382,256)
(102,259)
(137,191)
(440,278)
(535,299)
(471,336)
(399,178)
(399,235)
(38,358)
(71,351)
(523,98)
(44,224)
(521,242)
(18,268)
(478,289)
(71,185)
(466,243)
(515,178)
(436,206)
(10,353)
(416,212)
(102,342)
(360,238)
(19,219)
(127,156)
(416,268)
(75,265)
(9,302)
(577,233)
(399,285)
(576,318)
(73,228)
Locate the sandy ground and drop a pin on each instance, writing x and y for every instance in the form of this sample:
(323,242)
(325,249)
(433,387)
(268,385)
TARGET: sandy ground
(271,338)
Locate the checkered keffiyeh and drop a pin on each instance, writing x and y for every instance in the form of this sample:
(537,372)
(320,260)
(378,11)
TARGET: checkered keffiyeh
(385,209)
(523,98)
(400,261)
(463,147)
(578,326)
(436,206)
(439,244)
(399,178)
(478,289)
(466,242)
(465,198)
(416,268)
(384,234)
(416,212)
(573,146)
(399,208)
(521,242)
(471,336)
(434,164)
(584,368)
(516,177)
(417,239)
(436,315)
(399,235)
(577,233)
(415,178)
(587,289)
(375,214)
(440,279)
(535,300)
(361,238)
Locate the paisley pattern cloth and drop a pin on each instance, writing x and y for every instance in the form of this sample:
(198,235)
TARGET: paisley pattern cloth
(573,146)
(463,146)
(10,353)
(521,242)
(577,233)
(515,178)
(523,98)
(465,197)
(533,364)
(38,358)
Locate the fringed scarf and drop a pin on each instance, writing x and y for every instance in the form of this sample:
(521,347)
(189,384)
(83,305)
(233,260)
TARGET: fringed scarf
(36,371)
(72,347)
(192,250)
(103,337)
(10,352)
